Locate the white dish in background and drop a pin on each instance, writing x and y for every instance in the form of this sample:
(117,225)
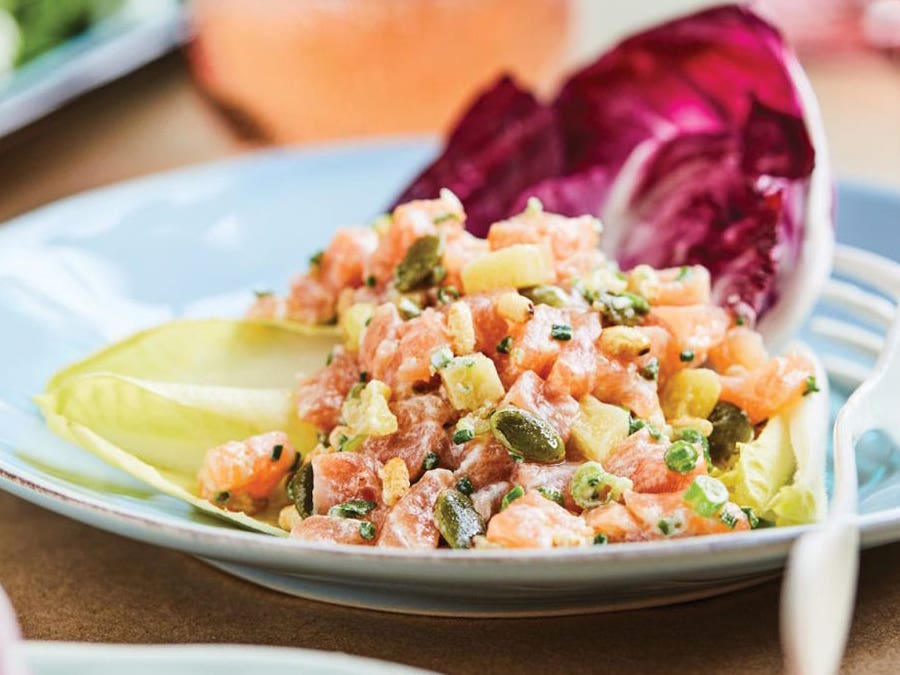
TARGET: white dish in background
(62,658)
(91,269)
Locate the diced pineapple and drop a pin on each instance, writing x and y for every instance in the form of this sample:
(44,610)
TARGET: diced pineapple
(353,323)
(515,266)
(599,428)
(691,392)
(369,414)
(461,328)
(471,382)
(514,307)
(289,517)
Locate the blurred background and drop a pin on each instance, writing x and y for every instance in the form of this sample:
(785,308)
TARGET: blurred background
(95,91)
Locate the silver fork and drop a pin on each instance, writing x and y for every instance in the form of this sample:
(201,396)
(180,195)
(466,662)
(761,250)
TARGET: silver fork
(820,581)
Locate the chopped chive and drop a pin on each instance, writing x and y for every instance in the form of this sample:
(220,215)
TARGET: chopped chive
(686,356)
(370,281)
(367,530)
(681,457)
(707,495)
(264,293)
(351,508)
(441,358)
(728,518)
(739,321)
(811,385)
(600,539)
(668,526)
(356,390)
(316,258)
(650,371)
(364,376)
(683,273)
(329,358)
(276,452)
(447,294)
(463,435)
(465,486)
(691,436)
(408,309)
(635,424)
(222,497)
(552,494)
(655,433)
(367,322)
(511,496)
(561,331)
(751,517)
(430,462)
(505,345)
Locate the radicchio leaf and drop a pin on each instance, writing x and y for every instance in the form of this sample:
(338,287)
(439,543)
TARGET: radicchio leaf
(506,142)
(688,139)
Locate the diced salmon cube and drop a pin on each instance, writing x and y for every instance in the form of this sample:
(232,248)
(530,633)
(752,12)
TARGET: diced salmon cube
(619,383)
(410,443)
(531,393)
(616,523)
(241,475)
(320,396)
(485,462)
(642,460)
(680,518)
(330,530)
(339,477)
(557,477)
(410,524)
(575,371)
(765,391)
(533,521)
(694,328)
(533,346)
(487,500)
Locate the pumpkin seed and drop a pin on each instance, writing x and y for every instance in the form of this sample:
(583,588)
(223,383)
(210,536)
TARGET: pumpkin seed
(553,296)
(456,519)
(420,265)
(300,490)
(527,436)
(730,426)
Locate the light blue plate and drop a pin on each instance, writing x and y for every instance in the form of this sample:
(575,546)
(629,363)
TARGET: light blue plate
(91,269)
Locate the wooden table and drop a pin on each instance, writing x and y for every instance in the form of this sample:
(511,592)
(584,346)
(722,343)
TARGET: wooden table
(70,582)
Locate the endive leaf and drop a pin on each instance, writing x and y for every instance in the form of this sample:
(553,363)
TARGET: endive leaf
(213,352)
(781,473)
(159,431)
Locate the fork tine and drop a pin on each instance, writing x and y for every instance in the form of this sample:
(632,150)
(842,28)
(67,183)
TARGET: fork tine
(844,372)
(870,268)
(867,305)
(845,333)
